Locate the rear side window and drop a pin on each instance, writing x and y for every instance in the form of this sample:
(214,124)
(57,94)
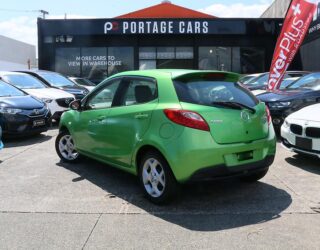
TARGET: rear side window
(206,92)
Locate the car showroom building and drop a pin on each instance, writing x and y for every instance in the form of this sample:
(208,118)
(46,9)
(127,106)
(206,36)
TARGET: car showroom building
(161,36)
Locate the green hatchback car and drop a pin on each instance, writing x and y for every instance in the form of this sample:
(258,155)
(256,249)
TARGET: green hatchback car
(169,127)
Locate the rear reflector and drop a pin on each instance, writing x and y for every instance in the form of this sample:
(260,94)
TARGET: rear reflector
(268,115)
(187,118)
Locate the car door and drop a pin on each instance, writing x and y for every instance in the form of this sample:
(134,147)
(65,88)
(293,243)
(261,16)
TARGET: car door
(129,119)
(91,129)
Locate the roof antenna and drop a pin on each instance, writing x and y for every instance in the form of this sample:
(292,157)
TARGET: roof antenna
(165,1)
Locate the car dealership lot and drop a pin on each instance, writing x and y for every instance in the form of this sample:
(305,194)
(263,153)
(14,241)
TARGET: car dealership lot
(47,204)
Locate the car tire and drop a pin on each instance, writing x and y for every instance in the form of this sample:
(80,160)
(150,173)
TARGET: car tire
(255,176)
(156,178)
(65,147)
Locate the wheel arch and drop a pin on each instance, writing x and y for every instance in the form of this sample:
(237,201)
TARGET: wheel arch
(143,150)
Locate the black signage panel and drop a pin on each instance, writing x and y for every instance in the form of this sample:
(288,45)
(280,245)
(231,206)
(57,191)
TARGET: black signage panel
(158,26)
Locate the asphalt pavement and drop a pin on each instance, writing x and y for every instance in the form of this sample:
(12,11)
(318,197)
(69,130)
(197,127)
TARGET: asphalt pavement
(46,204)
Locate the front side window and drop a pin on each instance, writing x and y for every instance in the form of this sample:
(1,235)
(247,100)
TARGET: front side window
(57,80)
(104,97)
(24,81)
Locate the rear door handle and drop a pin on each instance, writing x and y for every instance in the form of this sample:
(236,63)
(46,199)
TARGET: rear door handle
(101,118)
(141,116)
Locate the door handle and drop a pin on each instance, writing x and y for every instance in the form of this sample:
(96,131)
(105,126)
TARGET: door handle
(101,118)
(141,116)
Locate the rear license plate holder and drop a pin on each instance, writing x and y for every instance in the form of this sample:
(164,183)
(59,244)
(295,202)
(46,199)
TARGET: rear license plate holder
(244,156)
(304,143)
(37,123)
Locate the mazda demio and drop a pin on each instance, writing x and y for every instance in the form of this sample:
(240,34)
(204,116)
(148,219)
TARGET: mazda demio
(169,127)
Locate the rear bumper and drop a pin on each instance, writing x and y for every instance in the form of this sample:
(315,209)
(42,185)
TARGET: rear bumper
(196,153)
(222,171)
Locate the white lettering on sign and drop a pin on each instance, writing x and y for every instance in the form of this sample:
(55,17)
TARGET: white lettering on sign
(157,27)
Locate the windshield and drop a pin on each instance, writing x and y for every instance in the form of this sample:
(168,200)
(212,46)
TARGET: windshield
(210,93)
(287,81)
(83,81)
(8,90)
(311,81)
(57,80)
(258,81)
(24,81)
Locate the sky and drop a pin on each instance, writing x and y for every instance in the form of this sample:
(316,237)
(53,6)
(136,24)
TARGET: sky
(18,18)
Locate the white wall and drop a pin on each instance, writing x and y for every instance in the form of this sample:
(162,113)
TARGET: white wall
(14,55)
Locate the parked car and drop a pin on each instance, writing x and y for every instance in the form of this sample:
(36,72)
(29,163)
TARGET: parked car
(303,92)
(83,82)
(57,100)
(300,131)
(260,82)
(20,113)
(56,80)
(284,83)
(171,127)
(244,79)
(1,144)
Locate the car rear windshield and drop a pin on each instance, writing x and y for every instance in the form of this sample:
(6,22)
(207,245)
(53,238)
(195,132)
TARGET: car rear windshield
(8,90)
(56,80)
(209,93)
(24,81)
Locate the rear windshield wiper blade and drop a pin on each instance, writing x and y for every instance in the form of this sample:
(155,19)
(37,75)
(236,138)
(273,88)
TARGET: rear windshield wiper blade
(234,105)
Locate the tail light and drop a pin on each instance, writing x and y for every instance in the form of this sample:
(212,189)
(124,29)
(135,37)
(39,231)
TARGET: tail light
(268,115)
(187,118)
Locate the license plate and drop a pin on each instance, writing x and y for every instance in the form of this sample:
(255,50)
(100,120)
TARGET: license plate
(38,123)
(304,143)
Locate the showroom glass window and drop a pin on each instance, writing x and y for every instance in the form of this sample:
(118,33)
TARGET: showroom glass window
(166,57)
(236,59)
(68,61)
(120,59)
(94,63)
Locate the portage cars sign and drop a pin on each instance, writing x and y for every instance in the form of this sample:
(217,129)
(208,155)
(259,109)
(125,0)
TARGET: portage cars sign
(156,27)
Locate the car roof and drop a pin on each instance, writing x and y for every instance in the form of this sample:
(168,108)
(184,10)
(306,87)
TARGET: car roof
(11,73)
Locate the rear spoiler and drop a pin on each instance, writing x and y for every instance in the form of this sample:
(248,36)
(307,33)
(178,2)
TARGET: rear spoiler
(207,75)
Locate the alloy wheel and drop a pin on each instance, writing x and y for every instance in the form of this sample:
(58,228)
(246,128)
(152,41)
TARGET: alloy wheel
(153,177)
(67,149)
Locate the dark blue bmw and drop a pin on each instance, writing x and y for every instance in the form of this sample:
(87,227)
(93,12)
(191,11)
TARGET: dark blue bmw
(20,113)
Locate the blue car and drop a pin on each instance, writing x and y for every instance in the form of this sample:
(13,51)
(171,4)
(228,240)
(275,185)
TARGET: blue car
(20,113)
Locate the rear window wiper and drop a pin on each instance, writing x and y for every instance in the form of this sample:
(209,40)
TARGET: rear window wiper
(234,105)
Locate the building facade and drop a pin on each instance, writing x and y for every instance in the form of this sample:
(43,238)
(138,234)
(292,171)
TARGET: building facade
(16,55)
(162,36)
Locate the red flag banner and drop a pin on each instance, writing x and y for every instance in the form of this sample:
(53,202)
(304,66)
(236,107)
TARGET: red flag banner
(294,30)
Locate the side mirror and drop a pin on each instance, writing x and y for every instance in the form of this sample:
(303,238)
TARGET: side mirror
(75,105)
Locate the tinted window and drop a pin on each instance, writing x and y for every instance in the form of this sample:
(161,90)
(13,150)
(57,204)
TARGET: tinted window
(208,92)
(311,81)
(24,81)
(56,80)
(8,90)
(140,91)
(104,97)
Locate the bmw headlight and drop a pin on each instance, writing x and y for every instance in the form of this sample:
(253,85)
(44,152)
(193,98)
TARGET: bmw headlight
(286,124)
(11,111)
